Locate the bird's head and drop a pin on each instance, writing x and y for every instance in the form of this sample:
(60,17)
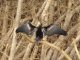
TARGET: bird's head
(39,24)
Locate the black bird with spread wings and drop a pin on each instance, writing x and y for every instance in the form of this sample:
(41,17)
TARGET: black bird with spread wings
(40,31)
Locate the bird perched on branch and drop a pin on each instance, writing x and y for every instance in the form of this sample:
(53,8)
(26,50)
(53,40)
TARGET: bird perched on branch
(40,31)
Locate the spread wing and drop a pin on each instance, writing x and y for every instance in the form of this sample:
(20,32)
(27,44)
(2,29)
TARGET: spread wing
(26,28)
(53,29)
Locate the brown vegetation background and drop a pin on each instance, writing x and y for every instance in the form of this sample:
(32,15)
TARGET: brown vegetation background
(64,13)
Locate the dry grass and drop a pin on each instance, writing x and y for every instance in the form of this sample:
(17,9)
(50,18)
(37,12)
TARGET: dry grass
(64,13)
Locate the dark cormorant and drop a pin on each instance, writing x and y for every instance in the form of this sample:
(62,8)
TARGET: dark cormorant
(40,31)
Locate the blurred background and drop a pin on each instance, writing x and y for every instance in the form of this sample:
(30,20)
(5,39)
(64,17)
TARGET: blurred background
(64,13)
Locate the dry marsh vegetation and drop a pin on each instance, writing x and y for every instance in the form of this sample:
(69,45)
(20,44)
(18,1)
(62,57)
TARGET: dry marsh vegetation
(64,13)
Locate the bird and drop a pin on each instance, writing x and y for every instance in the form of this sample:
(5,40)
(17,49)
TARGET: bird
(39,31)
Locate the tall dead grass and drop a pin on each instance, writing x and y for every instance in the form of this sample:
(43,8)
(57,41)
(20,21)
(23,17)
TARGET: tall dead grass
(64,13)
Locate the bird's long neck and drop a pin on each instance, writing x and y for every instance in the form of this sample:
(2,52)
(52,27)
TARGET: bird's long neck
(39,34)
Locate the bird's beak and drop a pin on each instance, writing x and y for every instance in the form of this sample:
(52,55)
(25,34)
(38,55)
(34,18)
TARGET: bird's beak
(38,24)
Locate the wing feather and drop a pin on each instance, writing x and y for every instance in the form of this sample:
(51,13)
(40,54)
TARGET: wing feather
(26,28)
(53,29)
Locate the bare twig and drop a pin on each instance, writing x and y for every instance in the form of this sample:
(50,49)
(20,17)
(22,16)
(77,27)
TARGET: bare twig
(5,20)
(34,54)
(28,51)
(14,41)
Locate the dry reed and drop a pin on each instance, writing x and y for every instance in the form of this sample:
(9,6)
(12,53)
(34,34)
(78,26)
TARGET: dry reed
(64,13)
